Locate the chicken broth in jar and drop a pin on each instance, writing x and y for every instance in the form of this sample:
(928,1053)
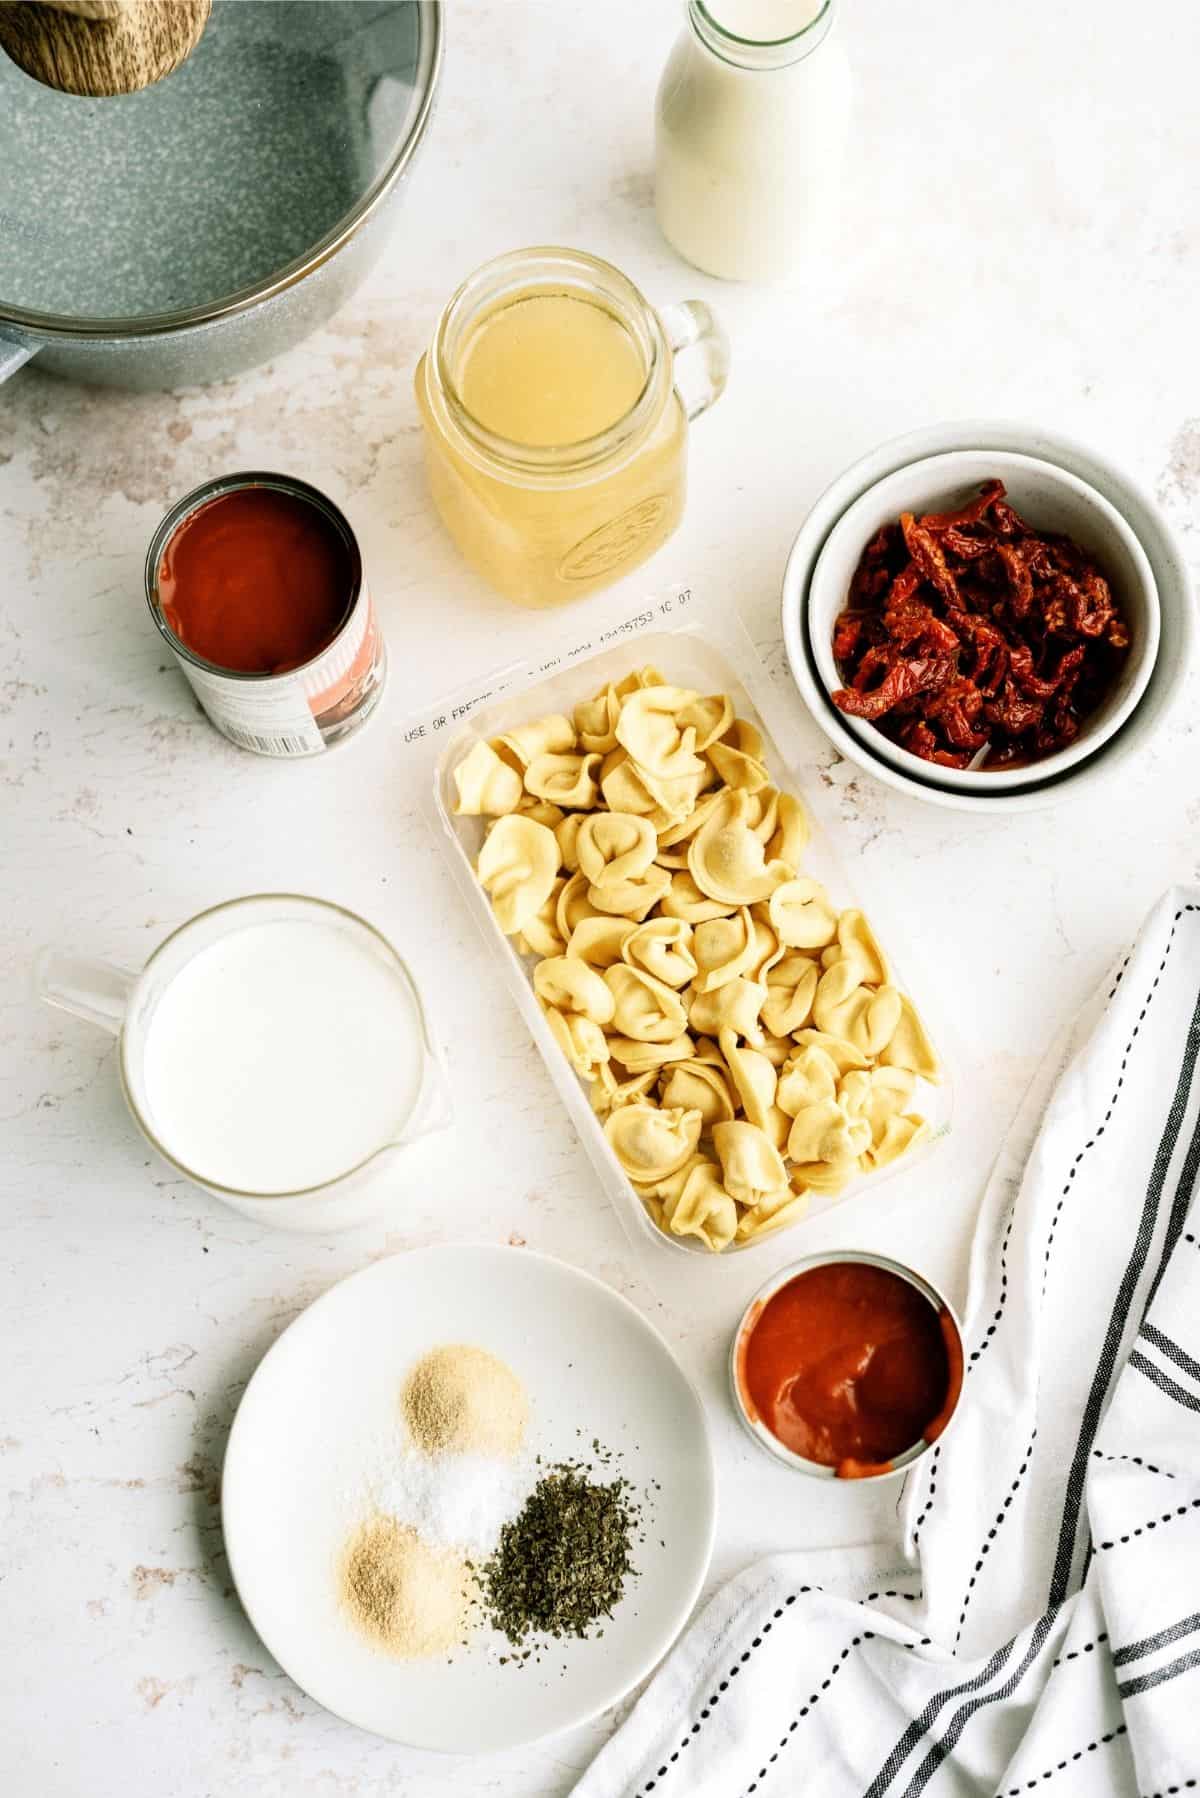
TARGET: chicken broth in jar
(544,369)
(556,442)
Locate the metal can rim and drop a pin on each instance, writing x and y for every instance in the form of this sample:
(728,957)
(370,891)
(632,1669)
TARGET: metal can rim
(216,488)
(759,1433)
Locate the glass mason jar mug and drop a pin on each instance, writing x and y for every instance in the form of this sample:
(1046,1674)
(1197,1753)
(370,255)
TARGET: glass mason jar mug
(556,440)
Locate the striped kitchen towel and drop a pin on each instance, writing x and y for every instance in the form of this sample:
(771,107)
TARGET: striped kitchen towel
(1042,1634)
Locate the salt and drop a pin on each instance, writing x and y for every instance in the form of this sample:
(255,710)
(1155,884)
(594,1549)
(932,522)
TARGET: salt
(454,1501)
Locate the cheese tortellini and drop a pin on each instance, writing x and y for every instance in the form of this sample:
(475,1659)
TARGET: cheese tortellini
(564,780)
(801,915)
(751,1166)
(727,860)
(643,1007)
(743,1040)
(724,949)
(650,1142)
(700,1086)
(703,1207)
(650,730)
(486,786)
(662,947)
(615,846)
(518,866)
(571,985)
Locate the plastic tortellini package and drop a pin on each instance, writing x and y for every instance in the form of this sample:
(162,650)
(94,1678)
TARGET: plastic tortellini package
(741,1036)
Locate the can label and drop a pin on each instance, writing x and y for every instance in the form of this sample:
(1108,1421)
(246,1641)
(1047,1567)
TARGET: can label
(276,714)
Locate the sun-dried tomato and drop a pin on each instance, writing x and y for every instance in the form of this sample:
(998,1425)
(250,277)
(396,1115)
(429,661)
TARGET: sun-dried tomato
(920,740)
(966,544)
(969,628)
(904,587)
(1006,521)
(1020,578)
(929,557)
(971,513)
(990,652)
(912,622)
(848,630)
(902,681)
(955,709)
(873,575)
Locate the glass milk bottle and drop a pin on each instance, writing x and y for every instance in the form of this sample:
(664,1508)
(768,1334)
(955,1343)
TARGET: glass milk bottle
(752,120)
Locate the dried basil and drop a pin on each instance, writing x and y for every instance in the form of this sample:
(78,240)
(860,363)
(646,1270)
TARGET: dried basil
(562,1562)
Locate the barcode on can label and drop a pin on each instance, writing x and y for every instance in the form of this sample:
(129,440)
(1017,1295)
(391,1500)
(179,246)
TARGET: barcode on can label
(279,743)
(269,716)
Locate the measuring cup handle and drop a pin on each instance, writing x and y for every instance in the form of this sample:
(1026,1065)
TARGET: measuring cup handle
(433,1109)
(695,336)
(92,990)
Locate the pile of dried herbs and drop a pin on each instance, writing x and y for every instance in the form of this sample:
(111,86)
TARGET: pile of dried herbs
(561,1564)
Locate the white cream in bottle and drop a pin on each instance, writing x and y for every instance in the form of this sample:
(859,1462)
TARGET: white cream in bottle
(751,125)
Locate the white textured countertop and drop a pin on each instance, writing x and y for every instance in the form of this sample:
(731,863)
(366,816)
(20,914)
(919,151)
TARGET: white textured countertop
(1018,236)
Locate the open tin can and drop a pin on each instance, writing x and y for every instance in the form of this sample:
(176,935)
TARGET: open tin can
(307,707)
(900,1463)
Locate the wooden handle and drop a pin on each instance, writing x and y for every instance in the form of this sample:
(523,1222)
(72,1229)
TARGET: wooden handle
(91,9)
(101,46)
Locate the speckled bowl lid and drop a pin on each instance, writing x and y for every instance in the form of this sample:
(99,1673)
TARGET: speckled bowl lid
(223,182)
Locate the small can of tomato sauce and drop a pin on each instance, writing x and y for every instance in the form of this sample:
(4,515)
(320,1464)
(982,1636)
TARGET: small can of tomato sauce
(847,1366)
(256,582)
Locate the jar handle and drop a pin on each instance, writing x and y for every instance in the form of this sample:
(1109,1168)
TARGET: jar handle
(692,325)
(92,990)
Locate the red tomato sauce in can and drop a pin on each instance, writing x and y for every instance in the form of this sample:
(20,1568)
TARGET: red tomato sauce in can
(256,580)
(256,583)
(849,1365)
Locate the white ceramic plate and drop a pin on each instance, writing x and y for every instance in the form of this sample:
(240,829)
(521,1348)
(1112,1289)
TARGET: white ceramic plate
(1163,551)
(327,1391)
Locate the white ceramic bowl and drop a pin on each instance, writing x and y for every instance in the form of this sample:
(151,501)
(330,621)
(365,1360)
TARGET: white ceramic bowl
(1051,499)
(754,1425)
(1156,536)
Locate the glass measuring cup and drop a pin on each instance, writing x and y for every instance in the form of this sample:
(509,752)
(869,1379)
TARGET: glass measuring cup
(125,1004)
(553,512)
